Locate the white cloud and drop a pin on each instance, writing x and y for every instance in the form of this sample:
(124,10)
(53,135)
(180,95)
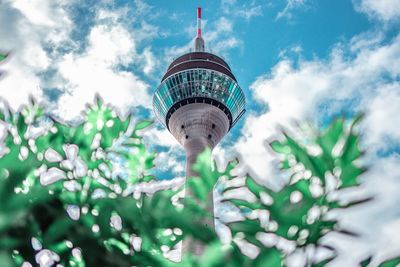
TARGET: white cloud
(228,2)
(111,44)
(221,38)
(218,38)
(110,47)
(361,76)
(37,32)
(366,40)
(169,160)
(150,62)
(295,93)
(43,12)
(289,7)
(383,9)
(377,222)
(154,186)
(382,122)
(289,94)
(247,10)
(163,136)
(250,12)
(29,27)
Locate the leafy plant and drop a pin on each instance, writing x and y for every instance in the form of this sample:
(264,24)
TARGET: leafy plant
(76,166)
(66,196)
(320,166)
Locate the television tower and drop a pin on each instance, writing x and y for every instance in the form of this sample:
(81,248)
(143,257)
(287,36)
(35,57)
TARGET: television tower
(198,101)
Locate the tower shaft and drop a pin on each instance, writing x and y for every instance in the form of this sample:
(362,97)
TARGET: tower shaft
(193,150)
(198,126)
(198,101)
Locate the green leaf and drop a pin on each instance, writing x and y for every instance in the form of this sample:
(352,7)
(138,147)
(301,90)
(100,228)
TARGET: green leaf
(270,257)
(391,262)
(280,147)
(198,188)
(254,187)
(212,256)
(57,229)
(250,227)
(323,262)
(143,124)
(355,203)
(3,56)
(243,203)
(365,262)
(351,149)
(349,176)
(112,242)
(6,260)
(330,138)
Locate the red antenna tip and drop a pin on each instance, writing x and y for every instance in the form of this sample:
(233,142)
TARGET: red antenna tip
(199,21)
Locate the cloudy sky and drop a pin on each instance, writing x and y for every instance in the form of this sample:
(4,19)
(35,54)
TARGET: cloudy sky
(296,60)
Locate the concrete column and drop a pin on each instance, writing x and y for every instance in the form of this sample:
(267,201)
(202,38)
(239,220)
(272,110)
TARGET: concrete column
(198,126)
(193,148)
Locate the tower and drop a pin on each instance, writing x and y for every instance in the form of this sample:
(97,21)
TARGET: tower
(198,101)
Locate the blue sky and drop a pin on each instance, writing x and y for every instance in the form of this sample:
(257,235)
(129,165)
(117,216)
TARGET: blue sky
(297,60)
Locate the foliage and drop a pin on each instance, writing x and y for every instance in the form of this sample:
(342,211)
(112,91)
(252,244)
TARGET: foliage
(3,56)
(66,195)
(75,164)
(298,214)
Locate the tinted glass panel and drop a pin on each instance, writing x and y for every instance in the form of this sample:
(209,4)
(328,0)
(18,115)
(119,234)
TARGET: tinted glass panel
(198,82)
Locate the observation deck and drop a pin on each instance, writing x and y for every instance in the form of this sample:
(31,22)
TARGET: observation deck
(199,77)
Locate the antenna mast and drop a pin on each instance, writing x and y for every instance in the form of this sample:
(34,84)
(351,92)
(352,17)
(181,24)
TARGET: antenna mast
(199,42)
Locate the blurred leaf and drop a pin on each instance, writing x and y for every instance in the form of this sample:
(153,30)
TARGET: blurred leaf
(365,262)
(271,257)
(244,203)
(391,262)
(254,187)
(143,124)
(280,148)
(3,56)
(57,229)
(6,260)
(323,262)
(354,203)
(330,138)
(212,255)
